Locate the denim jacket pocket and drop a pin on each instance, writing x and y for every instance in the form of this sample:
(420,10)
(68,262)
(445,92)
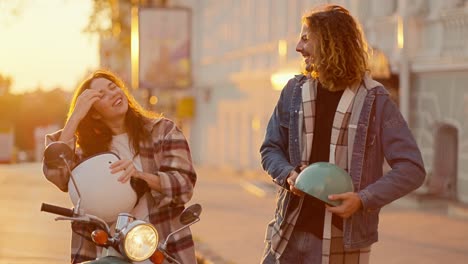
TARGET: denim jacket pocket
(373,221)
(360,225)
(365,225)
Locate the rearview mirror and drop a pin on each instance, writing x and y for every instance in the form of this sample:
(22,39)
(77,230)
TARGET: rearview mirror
(56,153)
(188,217)
(190,214)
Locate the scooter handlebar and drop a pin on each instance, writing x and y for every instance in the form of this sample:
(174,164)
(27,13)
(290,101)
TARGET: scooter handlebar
(57,210)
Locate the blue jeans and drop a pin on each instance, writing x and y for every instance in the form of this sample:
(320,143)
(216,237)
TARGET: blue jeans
(302,248)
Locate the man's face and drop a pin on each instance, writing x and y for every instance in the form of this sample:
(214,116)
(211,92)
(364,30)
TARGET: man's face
(307,46)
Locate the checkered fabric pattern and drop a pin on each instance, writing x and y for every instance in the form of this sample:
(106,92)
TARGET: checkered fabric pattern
(165,154)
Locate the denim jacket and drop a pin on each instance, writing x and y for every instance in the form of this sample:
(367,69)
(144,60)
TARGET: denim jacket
(381,133)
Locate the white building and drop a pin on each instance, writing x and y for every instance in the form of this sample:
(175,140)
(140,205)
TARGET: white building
(421,56)
(239,44)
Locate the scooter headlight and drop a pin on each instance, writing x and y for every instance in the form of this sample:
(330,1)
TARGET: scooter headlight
(140,240)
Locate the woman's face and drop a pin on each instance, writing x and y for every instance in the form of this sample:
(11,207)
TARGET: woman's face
(113,103)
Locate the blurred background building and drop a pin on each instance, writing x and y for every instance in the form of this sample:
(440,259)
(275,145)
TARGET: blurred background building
(217,68)
(244,49)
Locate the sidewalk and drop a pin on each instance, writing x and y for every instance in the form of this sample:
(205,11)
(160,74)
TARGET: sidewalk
(257,182)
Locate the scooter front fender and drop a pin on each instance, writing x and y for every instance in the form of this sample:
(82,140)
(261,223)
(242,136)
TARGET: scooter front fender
(108,260)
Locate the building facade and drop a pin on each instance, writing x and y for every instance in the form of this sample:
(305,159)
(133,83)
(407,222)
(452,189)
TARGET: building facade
(240,45)
(243,52)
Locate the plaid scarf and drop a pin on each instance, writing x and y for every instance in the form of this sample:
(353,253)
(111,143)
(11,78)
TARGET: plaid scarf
(332,245)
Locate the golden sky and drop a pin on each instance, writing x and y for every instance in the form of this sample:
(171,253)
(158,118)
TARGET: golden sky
(44,45)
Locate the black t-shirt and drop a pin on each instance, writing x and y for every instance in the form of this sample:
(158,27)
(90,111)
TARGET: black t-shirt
(311,217)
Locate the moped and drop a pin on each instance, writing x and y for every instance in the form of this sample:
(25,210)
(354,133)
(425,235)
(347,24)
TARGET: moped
(131,240)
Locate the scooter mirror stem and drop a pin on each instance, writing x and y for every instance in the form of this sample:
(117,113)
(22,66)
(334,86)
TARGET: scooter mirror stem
(77,208)
(164,245)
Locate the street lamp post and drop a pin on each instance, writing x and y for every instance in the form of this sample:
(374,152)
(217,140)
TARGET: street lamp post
(134,45)
(404,68)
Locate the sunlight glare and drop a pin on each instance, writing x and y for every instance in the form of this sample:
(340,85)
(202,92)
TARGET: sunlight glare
(45,46)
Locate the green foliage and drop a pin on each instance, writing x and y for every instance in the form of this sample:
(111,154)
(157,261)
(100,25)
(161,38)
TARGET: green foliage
(111,18)
(9,105)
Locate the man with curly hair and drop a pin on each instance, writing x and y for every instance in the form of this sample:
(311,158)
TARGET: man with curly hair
(335,112)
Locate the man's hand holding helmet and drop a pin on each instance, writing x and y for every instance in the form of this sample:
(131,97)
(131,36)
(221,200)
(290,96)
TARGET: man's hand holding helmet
(328,183)
(292,180)
(350,203)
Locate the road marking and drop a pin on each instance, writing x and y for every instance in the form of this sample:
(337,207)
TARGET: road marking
(253,189)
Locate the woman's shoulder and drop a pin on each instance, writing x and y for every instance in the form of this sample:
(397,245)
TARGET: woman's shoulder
(54,135)
(160,125)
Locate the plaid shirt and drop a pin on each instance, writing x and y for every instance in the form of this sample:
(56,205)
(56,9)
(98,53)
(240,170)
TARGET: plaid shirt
(280,229)
(165,154)
(332,244)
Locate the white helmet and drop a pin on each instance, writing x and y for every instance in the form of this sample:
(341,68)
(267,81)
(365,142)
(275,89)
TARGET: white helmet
(101,194)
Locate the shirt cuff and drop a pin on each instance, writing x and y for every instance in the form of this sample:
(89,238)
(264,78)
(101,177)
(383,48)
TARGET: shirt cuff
(281,179)
(365,200)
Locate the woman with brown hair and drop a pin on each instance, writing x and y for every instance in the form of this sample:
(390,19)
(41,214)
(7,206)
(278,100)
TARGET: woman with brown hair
(103,116)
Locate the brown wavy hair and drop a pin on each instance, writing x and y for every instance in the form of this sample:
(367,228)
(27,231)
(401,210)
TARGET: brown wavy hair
(342,54)
(93,136)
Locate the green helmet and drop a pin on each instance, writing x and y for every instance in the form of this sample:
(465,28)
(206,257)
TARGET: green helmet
(322,179)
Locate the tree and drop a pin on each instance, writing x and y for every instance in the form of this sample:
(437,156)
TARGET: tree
(5,84)
(8,103)
(37,109)
(111,18)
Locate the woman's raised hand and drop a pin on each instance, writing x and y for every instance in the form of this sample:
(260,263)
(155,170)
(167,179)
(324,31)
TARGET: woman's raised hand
(84,103)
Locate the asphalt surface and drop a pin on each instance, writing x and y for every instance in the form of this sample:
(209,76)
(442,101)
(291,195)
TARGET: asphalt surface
(236,208)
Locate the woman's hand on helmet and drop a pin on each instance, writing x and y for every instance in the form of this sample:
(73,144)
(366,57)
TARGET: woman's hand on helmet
(350,203)
(292,181)
(84,102)
(127,167)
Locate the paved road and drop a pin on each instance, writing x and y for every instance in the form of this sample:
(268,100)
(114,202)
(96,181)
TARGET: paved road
(26,234)
(233,219)
(407,235)
(232,228)
(414,236)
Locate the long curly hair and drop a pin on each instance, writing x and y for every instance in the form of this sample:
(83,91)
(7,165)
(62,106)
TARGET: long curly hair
(93,136)
(342,54)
